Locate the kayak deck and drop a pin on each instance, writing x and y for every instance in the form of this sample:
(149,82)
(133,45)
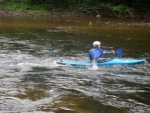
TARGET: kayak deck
(116,61)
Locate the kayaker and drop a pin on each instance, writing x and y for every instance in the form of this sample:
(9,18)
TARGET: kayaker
(96,52)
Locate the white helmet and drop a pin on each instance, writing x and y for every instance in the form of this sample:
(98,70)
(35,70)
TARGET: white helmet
(95,43)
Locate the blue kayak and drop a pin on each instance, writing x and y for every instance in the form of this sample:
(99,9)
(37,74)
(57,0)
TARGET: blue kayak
(115,61)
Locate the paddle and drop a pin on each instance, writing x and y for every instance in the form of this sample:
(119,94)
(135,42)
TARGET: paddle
(118,51)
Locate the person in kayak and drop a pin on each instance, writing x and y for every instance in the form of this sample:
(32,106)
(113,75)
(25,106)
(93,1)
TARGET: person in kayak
(96,52)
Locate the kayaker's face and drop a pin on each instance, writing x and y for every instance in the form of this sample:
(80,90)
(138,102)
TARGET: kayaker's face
(99,46)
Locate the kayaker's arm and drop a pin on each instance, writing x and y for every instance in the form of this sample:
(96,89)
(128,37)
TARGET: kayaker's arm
(109,51)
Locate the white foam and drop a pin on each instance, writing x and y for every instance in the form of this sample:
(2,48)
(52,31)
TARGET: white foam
(94,66)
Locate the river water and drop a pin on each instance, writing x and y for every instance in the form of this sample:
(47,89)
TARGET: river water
(32,81)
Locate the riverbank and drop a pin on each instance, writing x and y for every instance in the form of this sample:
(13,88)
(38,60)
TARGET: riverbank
(129,15)
(39,13)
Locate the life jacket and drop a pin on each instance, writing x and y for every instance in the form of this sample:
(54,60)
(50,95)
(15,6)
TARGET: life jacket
(95,53)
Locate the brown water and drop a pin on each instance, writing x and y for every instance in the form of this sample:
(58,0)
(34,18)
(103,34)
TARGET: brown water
(32,81)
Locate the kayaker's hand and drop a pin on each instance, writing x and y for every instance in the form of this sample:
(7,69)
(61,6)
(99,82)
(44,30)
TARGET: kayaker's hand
(113,52)
(104,52)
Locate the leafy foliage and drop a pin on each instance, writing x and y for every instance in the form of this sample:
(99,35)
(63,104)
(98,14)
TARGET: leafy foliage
(86,6)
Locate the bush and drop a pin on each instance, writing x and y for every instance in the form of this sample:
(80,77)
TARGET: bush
(119,9)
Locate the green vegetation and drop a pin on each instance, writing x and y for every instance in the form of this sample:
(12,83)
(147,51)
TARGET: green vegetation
(90,7)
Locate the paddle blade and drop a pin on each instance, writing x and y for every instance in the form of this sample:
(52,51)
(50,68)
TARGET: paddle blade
(119,52)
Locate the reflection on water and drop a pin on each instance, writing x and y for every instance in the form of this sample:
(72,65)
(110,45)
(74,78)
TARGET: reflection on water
(32,81)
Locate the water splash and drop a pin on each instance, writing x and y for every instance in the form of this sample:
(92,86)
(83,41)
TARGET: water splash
(94,65)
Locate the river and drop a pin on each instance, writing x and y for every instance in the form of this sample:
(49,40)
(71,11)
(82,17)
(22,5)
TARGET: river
(32,81)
